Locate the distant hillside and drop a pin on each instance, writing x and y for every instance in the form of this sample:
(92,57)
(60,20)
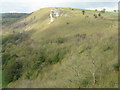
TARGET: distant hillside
(61,48)
(8,18)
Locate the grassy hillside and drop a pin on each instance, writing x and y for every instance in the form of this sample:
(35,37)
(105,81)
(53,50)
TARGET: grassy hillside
(75,51)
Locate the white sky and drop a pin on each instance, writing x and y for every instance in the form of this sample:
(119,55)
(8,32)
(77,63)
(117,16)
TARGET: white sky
(16,5)
(30,1)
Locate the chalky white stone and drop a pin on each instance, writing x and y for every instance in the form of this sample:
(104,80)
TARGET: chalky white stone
(56,13)
(51,18)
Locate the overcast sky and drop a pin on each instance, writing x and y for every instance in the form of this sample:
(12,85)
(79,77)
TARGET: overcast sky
(33,5)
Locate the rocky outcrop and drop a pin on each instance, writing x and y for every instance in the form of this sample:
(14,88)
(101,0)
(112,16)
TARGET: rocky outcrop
(56,13)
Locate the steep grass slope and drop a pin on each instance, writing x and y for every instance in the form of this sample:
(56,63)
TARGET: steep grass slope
(74,51)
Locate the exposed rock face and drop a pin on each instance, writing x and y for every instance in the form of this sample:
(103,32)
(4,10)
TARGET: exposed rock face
(56,13)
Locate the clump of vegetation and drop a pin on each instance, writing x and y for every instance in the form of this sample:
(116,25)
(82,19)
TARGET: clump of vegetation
(60,40)
(13,71)
(106,48)
(85,82)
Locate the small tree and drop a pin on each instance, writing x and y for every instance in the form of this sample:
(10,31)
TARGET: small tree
(115,10)
(103,11)
(96,10)
(83,12)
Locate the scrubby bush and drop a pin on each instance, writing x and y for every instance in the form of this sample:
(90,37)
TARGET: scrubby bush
(67,23)
(56,56)
(99,14)
(37,63)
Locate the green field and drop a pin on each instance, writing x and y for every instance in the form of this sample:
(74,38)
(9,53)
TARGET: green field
(77,51)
